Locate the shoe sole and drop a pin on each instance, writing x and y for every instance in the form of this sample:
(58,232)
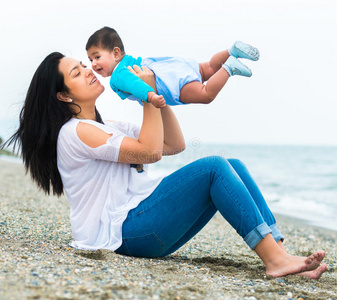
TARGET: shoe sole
(247,50)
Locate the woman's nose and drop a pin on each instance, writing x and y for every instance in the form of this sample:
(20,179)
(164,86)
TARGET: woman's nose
(89,72)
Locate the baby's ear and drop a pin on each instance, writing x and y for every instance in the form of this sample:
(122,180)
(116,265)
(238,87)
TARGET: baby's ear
(117,53)
(62,96)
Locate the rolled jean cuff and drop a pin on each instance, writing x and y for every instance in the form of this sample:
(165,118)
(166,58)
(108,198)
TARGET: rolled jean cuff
(277,235)
(257,234)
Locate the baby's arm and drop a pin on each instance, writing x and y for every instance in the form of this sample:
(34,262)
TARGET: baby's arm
(129,83)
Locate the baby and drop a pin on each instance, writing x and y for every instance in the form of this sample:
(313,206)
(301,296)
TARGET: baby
(178,80)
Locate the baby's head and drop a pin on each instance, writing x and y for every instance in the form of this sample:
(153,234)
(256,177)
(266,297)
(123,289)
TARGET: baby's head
(105,50)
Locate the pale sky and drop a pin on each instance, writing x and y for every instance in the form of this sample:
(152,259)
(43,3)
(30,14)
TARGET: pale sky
(290,99)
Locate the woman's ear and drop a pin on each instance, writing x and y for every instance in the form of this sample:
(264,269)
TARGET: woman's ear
(62,96)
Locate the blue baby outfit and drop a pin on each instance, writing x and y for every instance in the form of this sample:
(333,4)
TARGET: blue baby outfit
(171,73)
(124,83)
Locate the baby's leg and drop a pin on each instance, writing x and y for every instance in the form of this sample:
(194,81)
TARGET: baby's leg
(238,50)
(208,69)
(196,92)
(216,72)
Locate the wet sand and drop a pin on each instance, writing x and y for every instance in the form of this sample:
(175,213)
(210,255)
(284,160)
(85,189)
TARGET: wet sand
(36,261)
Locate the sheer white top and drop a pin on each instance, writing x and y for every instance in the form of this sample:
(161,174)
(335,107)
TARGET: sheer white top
(101,191)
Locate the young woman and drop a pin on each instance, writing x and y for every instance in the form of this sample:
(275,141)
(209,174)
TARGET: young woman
(114,204)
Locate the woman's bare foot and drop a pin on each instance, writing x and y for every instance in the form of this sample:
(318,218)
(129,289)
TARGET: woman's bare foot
(319,255)
(279,263)
(315,274)
(288,265)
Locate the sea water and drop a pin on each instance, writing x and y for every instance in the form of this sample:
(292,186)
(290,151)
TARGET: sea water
(298,181)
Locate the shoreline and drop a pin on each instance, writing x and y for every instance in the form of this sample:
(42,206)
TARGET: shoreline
(17,161)
(36,260)
(303,222)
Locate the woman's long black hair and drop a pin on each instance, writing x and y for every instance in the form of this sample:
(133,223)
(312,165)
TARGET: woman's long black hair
(41,119)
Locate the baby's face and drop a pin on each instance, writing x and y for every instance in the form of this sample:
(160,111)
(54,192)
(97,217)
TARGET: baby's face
(102,61)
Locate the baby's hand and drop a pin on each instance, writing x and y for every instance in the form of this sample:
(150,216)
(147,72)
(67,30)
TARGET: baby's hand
(157,100)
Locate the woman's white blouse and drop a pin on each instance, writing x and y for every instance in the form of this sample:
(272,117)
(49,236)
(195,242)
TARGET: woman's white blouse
(101,191)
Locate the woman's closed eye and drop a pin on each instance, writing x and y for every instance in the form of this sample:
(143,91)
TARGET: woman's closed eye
(79,72)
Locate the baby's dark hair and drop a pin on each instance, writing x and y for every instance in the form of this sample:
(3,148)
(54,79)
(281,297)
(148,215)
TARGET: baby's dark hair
(106,38)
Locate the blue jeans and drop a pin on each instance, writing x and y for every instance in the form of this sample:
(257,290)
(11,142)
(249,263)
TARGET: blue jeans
(185,201)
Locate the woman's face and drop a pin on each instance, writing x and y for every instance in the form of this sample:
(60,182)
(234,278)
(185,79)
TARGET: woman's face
(82,83)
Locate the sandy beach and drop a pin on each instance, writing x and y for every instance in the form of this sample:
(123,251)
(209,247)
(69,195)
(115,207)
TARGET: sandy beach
(36,261)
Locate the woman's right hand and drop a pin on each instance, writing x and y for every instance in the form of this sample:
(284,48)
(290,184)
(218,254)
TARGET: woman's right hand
(144,74)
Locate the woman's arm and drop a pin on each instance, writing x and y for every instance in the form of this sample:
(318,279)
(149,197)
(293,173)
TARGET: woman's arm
(160,133)
(148,148)
(174,141)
